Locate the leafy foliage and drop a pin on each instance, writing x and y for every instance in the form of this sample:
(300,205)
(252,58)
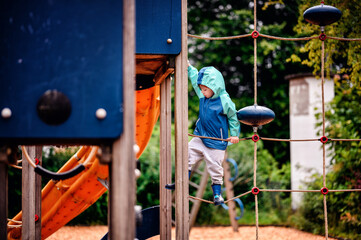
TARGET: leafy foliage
(342,56)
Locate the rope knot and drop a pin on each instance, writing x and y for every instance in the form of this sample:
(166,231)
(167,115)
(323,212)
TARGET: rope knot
(324,139)
(255,138)
(324,190)
(255,34)
(322,37)
(255,190)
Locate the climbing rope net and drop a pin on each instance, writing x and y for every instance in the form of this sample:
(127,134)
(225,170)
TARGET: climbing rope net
(255,138)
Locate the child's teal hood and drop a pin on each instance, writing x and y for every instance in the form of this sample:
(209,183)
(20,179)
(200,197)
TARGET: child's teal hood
(212,78)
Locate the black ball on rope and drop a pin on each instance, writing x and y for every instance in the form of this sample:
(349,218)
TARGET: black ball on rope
(322,15)
(255,115)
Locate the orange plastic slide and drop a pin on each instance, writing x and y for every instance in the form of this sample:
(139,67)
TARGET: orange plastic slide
(63,200)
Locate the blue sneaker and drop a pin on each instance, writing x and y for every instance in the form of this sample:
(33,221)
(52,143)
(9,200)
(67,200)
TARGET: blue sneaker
(218,200)
(217,193)
(170,186)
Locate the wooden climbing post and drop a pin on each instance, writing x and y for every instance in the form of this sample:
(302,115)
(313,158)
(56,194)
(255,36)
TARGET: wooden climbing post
(121,171)
(31,196)
(165,159)
(181,137)
(200,193)
(230,194)
(4,194)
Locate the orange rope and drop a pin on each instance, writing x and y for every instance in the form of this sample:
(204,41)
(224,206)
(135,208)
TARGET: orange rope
(287,190)
(255,69)
(219,38)
(344,39)
(287,39)
(200,199)
(14,166)
(27,157)
(278,139)
(241,195)
(255,102)
(344,140)
(325,213)
(219,139)
(289,140)
(277,190)
(323,132)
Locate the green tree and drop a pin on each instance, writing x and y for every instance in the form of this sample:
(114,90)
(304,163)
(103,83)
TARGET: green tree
(343,57)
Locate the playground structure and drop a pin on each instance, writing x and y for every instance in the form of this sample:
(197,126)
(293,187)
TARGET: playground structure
(84,94)
(117,136)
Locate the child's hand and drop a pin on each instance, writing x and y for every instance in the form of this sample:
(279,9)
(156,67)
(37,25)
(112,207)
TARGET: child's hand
(233,139)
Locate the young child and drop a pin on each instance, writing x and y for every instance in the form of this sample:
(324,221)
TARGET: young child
(217,114)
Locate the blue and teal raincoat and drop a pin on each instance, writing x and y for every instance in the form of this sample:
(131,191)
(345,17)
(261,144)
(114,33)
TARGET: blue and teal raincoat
(216,114)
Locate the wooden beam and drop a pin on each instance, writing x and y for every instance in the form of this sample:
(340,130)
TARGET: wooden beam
(162,73)
(140,57)
(149,64)
(38,198)
(30,192)
(200,193)
(165,169)
(230,194)
(181,135)
(4,194)
(121,171)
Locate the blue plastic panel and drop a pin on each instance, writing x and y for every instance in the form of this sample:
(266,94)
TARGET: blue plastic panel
(156,22)
(74,47)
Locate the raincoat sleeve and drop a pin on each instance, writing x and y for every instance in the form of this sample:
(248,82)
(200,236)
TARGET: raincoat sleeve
(229,109)
(193,76)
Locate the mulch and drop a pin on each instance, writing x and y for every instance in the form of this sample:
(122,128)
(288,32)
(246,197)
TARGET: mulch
(197,233)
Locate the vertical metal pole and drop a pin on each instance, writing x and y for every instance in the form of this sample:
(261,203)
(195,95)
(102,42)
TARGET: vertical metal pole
(181,137)
(122,177)
(165,169)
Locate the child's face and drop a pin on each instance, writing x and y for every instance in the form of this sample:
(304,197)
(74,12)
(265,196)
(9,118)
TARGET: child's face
(207,92)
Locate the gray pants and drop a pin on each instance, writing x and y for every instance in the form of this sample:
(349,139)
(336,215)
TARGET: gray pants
(213,158)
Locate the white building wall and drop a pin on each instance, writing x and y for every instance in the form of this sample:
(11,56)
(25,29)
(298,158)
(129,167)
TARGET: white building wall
(306,157)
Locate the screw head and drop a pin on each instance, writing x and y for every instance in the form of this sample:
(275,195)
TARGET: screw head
(101,113)
(137,173)
(6,113)
(136,149)
(169,40)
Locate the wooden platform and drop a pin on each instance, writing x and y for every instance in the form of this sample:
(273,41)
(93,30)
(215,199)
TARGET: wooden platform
(155,67)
